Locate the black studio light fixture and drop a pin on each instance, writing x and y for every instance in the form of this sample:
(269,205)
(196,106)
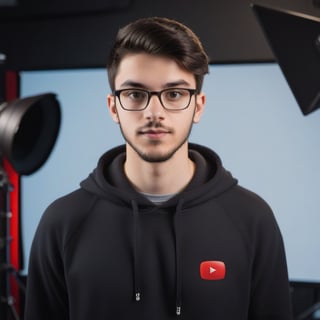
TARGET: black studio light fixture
(294,38)
(28,131)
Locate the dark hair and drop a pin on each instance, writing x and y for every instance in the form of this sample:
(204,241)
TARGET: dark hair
(160,36)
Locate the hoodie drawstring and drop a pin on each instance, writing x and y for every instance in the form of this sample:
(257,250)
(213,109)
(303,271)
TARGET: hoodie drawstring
(177,231)
(136,253)
(136,250)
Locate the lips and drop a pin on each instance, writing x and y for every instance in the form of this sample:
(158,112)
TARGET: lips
(154,133)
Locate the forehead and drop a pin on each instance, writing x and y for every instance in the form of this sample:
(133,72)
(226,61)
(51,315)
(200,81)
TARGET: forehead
(151,71)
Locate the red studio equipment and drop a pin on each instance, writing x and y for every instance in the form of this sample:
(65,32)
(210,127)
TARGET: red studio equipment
(29,128)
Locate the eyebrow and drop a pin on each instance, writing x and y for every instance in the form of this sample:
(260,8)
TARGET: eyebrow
(134,84)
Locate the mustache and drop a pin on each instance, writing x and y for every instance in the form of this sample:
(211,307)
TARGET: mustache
(154,124)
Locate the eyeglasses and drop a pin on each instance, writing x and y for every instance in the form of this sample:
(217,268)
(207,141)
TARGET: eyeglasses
(171,99)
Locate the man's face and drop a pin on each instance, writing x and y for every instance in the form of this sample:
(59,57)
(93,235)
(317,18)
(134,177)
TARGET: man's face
(155,134)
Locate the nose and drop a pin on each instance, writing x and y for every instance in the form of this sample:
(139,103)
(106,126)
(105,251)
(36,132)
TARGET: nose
(154,109)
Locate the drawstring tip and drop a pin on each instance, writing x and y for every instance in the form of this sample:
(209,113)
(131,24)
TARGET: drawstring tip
(138,297)
(178,311)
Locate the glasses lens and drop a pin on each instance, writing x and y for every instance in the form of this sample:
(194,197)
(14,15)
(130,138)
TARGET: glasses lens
(175,98)
(133,99)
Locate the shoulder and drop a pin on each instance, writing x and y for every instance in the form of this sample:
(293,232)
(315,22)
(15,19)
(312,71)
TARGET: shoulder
(69,207)
(249,211)
(247,201)
(64,215)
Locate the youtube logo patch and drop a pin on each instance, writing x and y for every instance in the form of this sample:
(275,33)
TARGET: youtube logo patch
(212,270)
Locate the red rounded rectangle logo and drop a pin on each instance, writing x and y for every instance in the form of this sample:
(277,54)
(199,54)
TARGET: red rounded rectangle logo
(212,270)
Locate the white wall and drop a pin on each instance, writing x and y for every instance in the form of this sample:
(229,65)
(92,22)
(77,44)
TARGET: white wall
(251,120)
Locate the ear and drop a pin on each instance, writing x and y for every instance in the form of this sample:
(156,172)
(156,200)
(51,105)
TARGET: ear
(200,103)
(111,100)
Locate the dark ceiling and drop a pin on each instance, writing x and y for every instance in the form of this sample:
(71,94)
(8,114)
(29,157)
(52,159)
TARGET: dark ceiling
(78,33)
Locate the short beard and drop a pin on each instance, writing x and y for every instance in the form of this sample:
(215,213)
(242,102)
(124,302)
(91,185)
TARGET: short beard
(155,158)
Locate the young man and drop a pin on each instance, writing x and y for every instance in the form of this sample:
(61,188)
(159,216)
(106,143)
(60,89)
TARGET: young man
(159,230)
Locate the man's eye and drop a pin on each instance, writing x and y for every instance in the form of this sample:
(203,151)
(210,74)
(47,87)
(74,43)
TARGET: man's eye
(136,95)
(173,95)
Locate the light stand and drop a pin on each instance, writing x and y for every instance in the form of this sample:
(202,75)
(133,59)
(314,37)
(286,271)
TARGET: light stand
(309,312)
(6,268)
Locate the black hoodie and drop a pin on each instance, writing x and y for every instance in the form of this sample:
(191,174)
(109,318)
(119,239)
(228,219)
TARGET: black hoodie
(214,251)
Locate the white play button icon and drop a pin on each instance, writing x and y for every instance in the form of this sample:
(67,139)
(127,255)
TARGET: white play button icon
(212,270)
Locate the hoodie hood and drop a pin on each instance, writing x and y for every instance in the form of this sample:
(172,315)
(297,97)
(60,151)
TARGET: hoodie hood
(109,181)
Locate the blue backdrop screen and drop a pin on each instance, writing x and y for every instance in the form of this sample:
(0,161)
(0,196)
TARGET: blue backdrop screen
(251,119)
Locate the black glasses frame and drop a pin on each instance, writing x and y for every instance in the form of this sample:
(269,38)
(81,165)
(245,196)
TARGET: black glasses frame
(117,94)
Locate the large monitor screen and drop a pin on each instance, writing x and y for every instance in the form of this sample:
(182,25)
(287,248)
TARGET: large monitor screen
(251,119)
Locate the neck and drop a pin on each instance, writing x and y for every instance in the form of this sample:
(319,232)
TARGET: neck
(167,177)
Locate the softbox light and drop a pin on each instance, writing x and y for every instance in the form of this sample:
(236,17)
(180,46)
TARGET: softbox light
(295,41)
(28,131)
